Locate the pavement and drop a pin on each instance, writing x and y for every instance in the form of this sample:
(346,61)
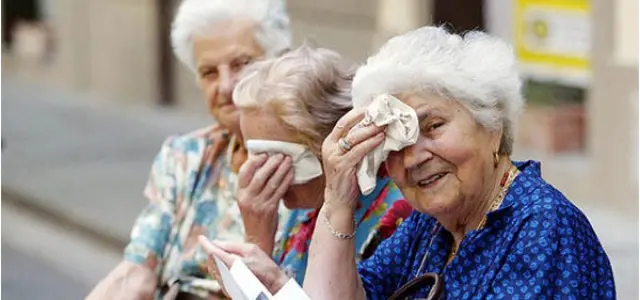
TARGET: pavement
(81,158)
(42,259)
(83,162)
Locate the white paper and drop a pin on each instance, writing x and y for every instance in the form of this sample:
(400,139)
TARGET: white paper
(230,284)
(241,284)
(251,286)
(291,290)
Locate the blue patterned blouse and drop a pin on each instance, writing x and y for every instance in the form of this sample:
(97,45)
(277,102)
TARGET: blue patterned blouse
(537,245)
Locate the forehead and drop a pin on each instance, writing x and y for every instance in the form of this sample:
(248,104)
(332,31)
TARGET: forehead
(431,104)
(225,41)
(263,124)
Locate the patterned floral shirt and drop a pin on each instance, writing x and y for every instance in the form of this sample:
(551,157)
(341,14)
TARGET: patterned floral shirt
(191,192)
(375,221)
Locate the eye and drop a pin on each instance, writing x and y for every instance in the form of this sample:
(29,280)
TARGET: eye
(208,73)
(434,126)
(240,63)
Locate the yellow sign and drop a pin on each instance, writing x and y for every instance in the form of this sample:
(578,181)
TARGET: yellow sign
(553,38)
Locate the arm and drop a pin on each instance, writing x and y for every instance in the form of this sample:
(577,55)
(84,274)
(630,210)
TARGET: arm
(331,271)
(341,279)
(135,277)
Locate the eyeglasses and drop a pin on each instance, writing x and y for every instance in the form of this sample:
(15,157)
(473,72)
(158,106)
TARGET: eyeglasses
(410,288)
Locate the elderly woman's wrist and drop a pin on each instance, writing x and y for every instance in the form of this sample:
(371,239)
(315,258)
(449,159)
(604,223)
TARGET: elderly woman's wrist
(278,283)
(339,219)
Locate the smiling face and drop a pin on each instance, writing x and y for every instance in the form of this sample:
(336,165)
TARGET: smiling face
(451,163)
(263,124)
(220,57)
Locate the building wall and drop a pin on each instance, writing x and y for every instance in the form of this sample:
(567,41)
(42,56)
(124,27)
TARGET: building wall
(106,48)
(613,105)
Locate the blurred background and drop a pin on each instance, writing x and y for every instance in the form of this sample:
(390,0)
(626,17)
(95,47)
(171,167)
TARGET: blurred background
(90,89)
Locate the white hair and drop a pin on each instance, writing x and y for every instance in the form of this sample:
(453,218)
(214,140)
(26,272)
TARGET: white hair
(476,69)
(199,16)
(307,88)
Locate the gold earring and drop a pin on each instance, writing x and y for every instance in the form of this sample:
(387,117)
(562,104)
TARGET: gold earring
(496,159)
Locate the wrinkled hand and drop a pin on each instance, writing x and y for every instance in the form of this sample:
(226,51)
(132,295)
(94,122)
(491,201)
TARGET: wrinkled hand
(340,165)
(251,255)
(128,281)
(262,181)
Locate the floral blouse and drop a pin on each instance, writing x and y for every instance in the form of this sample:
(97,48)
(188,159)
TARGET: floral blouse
(191,192)
(374,218)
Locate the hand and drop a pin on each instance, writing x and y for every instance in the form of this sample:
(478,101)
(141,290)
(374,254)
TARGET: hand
(128,281)
(262,181)
(251,255)
(340,165)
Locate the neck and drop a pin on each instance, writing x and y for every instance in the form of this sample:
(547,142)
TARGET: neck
(472,212)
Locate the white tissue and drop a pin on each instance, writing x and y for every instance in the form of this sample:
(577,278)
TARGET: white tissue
(402,131)
(306,165)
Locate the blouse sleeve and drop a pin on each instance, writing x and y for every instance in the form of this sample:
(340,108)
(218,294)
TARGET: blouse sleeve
(153,225)
(380,274)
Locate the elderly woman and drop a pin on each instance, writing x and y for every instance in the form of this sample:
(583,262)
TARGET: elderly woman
(288,106)
(191,188)
(483,226)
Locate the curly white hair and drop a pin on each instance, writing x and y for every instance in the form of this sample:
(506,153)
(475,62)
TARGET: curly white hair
(199,16)
(477,69)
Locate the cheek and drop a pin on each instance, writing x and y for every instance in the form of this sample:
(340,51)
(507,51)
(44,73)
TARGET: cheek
(209,89)
(395,168)
(465,152)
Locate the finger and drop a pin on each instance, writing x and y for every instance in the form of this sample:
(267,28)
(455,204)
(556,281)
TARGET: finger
(359,151)
(345,123)
(284,186)
(249,167)
(359,134)
(265,172)
(275,181)
(237,248)
(212,249)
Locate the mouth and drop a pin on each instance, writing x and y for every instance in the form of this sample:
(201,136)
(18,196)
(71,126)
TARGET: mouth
(432,180)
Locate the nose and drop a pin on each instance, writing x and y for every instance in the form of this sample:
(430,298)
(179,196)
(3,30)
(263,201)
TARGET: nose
(415,155)
(227,82)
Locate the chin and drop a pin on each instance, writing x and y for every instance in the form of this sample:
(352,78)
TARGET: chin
(229,119)
(430,205)
(291,203)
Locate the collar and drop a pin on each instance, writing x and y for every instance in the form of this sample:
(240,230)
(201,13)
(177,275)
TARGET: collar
(530,171)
